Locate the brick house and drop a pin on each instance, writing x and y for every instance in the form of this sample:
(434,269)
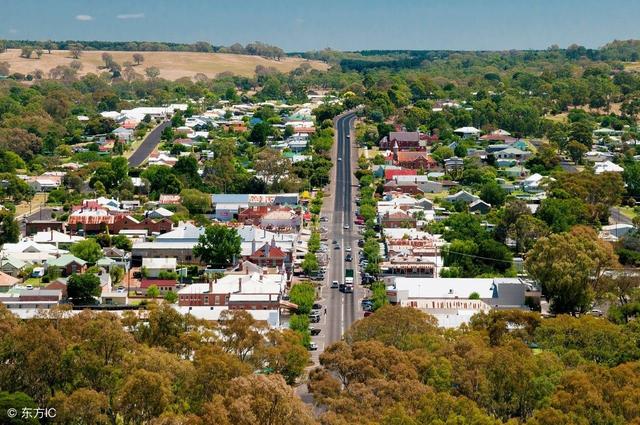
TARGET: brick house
(415,160)
(397,219)
(164,285)
(69,264)
(88,224)
(268,255)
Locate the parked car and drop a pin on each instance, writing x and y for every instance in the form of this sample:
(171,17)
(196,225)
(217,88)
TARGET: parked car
(368,313)
(313,346)
(324,219)
(361,243)
(314,317)
(316,306)
(314,331)
(337,246)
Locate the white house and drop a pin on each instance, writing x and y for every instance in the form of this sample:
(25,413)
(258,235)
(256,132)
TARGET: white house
(155,266)
(467,132)
(607,167)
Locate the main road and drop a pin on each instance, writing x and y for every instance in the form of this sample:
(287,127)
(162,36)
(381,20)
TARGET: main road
(342,309)
(148,145)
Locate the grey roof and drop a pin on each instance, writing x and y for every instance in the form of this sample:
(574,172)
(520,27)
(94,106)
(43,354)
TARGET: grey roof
(226,198)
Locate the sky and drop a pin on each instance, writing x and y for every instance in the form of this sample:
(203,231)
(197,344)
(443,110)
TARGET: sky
(301,25)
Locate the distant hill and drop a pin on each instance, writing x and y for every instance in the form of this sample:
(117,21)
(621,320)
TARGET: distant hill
(172,65)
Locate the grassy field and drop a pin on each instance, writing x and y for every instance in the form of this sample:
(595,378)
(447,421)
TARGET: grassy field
(38,201)
(172,65)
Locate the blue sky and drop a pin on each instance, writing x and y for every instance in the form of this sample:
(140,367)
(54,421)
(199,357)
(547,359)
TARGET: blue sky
(340,24)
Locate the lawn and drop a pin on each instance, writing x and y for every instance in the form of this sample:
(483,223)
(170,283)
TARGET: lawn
(38,201)
(628,212)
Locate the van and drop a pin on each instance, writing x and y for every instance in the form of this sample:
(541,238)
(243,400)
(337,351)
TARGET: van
(314,317)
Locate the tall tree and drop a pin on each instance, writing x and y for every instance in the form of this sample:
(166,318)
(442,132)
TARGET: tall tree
(219,246)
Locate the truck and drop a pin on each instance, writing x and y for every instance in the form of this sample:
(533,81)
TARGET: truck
(347,286)
(348,276)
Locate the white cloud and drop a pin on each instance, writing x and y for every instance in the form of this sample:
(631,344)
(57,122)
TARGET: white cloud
(131,16)
(84,17)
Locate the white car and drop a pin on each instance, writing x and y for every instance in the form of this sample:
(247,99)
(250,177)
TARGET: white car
(313,346)
(348,249)
(339,158)
(346,227)
(335,284)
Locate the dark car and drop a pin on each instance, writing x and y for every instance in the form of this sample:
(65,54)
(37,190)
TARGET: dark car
(314,331)
(361,243)
(316,306)
(368,313)
(348,257)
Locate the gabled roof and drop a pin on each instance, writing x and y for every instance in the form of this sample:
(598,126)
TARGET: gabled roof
(65,260)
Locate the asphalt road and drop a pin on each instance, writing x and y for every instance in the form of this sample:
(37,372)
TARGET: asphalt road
(148,145)
(616,217)
(341,309)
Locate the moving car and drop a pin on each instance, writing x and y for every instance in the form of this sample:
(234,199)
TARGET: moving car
(339,158)
(346,227)
(348,257)
(335,284)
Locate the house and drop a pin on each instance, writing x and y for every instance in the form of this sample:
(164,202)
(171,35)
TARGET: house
(59,284)
(159,213)
(398,218)
(130,205)
(513,154)
(122,133)
(282,218)
(35,226)
(163,285)
(607,167)
(268,255)
(535,183)
(404,140)
(11,266)
(479,206)
(36,298)
(463,196)
(169,199)
(68,264)
(155,266)
(414,160)
(467,132)
(7,282)
(390,173)
(56,238)
(453,163)
(422,182)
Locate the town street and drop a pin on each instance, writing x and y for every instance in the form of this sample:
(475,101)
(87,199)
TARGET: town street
(342,309)
(148,145)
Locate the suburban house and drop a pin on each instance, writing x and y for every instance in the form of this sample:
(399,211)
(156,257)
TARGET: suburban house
(398,218)
(463,196)
(405,140)
(269,255)
(69,264)
(467,132)
(163,285)
(414,160)
(479,206)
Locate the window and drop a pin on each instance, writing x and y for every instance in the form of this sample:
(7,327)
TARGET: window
(206,300)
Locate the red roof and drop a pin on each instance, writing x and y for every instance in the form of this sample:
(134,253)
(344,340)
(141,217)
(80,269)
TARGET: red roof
(145,283)
(274,251)
(390,174)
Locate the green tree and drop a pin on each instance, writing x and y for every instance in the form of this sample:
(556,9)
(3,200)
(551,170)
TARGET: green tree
(576,151)
(89,250)
(83,288)
(153,292)
(218,246)
(171,297)
(195,201)
(569,267)
(493,194)
(303,295)
(310,264)
(17,401)
(9,228)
